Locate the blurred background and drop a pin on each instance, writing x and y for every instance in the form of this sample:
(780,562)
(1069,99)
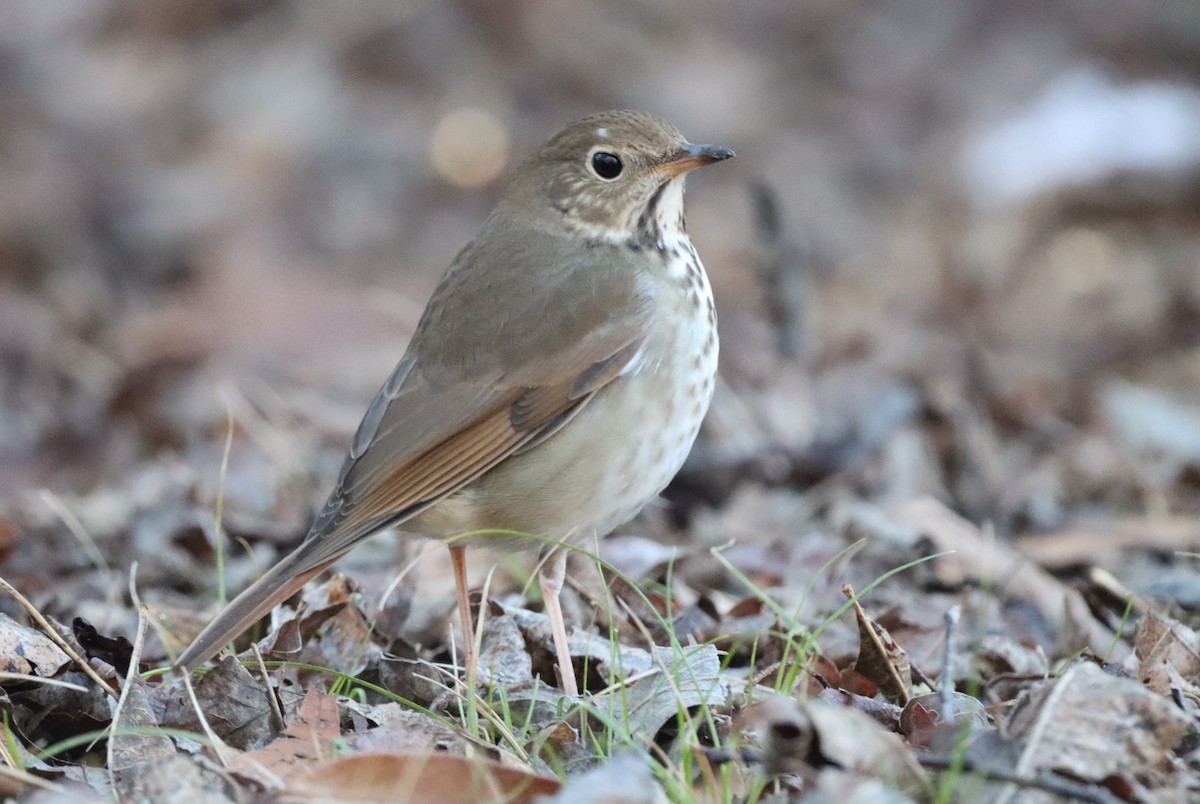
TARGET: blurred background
(958,252)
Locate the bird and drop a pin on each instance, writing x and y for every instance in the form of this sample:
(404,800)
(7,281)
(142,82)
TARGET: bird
(554,384)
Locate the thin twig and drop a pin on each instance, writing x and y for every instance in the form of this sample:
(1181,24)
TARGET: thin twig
(218,745)
(131,678)
(68,517)
(276,709)
(219,513)
(24,777)
(946,685)
(52,682)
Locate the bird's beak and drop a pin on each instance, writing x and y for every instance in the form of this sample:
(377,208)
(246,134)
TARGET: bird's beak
(690,157)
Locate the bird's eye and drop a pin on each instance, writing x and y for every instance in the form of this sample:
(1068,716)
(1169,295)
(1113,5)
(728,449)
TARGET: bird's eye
(607,166)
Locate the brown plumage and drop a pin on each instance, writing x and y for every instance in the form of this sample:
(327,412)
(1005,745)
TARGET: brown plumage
(556,379)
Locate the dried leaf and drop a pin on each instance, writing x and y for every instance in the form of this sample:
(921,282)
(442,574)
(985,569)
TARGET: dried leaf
(234,702)
(879,657)
(28,651)
(179,778)
(691,678)
(807,739)
(503,658)
(1104,542)
(136,756)
(399,730)
(1092,726)
(307,737)
(973,558)
(417,779)
(624,779)
(1167,650)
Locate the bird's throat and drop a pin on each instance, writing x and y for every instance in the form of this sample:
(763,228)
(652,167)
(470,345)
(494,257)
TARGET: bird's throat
(656,226)
(661,223)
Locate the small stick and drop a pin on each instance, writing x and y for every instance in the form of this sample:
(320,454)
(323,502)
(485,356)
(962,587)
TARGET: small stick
(276,709)
(946,687)
(131,675)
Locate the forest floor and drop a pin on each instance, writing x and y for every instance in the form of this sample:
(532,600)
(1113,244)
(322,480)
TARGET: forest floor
(939,539)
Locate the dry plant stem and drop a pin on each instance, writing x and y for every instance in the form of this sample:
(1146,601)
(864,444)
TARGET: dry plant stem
(1111,585)
(458,559)
(475,638)
(22,777)
(603,614)
(920,677)
(52,632)
(550,579)
(95,554)
(218,745)
(131,677)
(276,711)
(49,682)
(706,770)
(946,687)
(763,674)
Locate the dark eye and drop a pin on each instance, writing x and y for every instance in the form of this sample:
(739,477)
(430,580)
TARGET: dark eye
(606,165)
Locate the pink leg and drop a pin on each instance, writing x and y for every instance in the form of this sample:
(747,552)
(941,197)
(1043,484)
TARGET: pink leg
(459,560)
(551,581)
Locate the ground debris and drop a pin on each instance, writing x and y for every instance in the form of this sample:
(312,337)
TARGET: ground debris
(957,271)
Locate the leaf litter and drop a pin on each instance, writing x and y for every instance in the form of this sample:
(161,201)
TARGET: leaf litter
(942,405)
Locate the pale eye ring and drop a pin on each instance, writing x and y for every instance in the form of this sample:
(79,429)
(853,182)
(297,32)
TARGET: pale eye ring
(606,165)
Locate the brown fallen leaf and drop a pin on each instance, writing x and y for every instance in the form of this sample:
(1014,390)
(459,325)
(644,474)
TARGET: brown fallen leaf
(807,739)
(28,651)
(329,628)
(925,716)
(1167,652)
(60,709)
(135,756)
(879,657)
(234,702)
(884,713)
(394,729)
(416,779)
(973,557)
(1002,655)
(1095,727)
(307,737)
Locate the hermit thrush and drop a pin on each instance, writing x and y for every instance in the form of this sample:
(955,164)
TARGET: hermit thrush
(555,382)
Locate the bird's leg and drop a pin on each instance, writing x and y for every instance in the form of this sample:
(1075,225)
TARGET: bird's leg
(550,578)
(458,559)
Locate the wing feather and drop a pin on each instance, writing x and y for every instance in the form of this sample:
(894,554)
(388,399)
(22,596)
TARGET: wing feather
(470,392)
